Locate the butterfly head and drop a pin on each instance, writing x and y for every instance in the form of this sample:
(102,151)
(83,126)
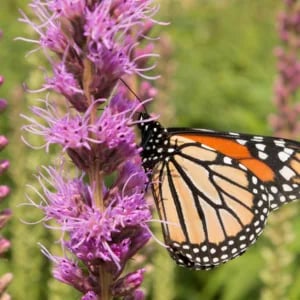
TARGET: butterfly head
(144,120)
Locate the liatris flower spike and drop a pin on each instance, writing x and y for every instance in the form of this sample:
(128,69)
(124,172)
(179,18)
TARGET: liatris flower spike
(5,215)
(95,43)
(286,121)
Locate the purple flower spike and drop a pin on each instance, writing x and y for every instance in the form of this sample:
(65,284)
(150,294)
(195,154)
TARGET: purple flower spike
(91,45)
(6,214)
(286,121)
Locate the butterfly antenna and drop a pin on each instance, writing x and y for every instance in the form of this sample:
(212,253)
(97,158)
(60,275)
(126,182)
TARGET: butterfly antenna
(137,97)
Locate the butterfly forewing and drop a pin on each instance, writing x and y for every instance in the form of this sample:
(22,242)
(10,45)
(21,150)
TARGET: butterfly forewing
(275,161)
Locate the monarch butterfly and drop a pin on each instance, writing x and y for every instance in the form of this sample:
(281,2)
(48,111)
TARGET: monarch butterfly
(214,190)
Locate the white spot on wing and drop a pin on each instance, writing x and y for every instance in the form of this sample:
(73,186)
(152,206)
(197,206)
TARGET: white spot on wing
(287,172)
(257,139)
(242,142)
(207,147)
(282,198)
(254,180)
(205,259)
(212,250)
(261,147)
(215,259)
(279,143)
(242,167)
(287,188)
(274,189)
(227,160)
(204,248)
(288,151)
(262,155)
(203,130)
(283,156)
(234,133)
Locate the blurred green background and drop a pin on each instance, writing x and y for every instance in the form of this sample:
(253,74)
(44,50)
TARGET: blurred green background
(218,71)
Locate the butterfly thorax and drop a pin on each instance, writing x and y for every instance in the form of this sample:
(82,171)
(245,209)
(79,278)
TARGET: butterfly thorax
(155,142)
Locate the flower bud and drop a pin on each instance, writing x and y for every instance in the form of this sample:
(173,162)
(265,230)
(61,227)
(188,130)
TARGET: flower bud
(128,284)
(4,191)
(3,104)
(3,142)
(4,165)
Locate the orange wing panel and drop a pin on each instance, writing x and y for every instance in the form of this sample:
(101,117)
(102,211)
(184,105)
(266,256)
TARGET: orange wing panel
(236,151)
(259,168)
